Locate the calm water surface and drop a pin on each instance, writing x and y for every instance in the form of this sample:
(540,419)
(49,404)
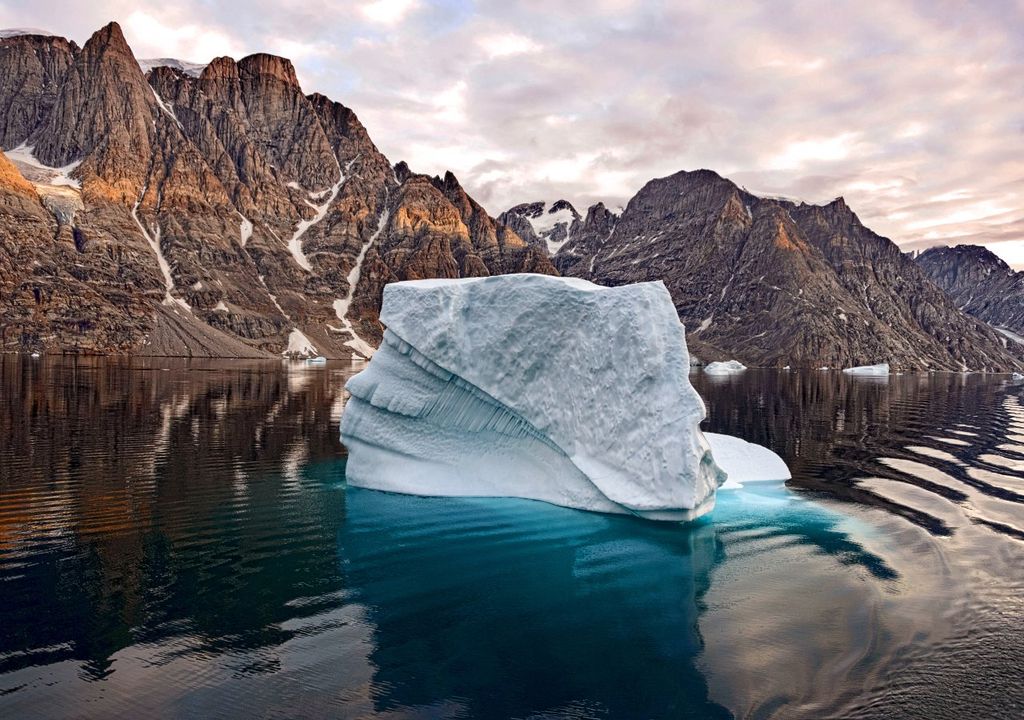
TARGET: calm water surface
(177,540)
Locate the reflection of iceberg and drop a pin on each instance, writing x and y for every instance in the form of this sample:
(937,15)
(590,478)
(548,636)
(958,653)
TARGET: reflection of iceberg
(880,370)
(729,367)
(465,595)
(508,387)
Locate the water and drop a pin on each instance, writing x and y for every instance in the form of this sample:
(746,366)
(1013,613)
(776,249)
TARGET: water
(176,540)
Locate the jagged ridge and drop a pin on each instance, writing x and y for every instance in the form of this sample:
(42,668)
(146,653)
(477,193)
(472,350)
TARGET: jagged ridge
(224,195)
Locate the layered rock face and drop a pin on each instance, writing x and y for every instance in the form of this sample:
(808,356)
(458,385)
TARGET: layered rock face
(981,284)
(209,210)
(770,282)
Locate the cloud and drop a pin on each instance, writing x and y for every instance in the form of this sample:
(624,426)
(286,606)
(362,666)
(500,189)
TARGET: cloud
(387,11)
(913,111)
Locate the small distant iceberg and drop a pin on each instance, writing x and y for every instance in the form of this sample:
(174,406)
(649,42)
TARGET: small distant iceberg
(729,367)
(880,370)
(318,360)
(506,386)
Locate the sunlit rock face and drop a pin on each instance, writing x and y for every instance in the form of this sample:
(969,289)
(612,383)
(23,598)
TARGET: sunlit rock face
(536,387)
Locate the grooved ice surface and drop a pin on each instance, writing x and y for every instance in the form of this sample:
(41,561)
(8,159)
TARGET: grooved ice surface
(532,386)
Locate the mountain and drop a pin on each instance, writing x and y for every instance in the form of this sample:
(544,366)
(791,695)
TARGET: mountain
(545,226)
(979,283)
(209,209)
(773,282)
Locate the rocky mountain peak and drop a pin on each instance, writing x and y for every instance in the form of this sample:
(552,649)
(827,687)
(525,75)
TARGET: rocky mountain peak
(109,38)
(981,284)
(34,66)
(962,256)
(211,209)
(773,282)
(220,68)
(543,225)
(264,64)
(103,100)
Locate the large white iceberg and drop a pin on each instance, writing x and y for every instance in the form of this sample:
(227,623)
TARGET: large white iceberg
(537,387)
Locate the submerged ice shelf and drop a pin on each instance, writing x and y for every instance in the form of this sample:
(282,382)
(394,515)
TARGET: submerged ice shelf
(536,387)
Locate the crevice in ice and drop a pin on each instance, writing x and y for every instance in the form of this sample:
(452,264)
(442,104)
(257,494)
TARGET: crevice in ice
(458,403)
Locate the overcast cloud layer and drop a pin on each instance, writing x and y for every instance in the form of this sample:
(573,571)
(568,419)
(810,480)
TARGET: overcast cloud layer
(914,111)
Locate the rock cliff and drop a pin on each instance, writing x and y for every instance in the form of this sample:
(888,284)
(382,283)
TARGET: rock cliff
(980,284)
(775,283)
(208,209)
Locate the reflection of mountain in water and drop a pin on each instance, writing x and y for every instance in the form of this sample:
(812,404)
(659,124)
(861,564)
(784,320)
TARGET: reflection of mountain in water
(181,543)
(951,435)
(138,504)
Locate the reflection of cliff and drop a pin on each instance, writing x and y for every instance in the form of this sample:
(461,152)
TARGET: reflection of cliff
(136,502)
(834,430)
(513,607)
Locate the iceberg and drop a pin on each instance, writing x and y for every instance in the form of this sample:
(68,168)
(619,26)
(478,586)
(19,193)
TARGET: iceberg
(729,367)
(872,370)
(745,462)
(536,387)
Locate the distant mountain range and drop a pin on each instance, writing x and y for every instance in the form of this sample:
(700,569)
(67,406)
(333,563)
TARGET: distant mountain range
(981,284)
(164,207)
(773,282)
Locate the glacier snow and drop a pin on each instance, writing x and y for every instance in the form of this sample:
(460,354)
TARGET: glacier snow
(537,387)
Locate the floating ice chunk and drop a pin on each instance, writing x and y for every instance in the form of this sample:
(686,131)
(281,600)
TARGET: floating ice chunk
(745,462)
(874,370)
(537,387)
(729,367)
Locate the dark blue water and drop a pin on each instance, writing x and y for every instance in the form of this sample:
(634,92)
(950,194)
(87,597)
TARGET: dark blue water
(177,540)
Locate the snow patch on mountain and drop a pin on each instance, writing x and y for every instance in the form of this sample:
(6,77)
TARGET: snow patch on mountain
(37,173)
(299,345)
(153,238)
(189,68)
(17,32)
(295,243)
(341,305)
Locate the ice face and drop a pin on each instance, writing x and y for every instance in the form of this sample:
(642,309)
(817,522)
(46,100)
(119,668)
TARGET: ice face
(537,387)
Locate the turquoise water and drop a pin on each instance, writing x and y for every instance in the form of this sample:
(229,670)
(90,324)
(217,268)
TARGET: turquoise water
(177,540)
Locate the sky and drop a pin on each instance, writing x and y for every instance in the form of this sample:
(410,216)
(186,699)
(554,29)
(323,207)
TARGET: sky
(912,111)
